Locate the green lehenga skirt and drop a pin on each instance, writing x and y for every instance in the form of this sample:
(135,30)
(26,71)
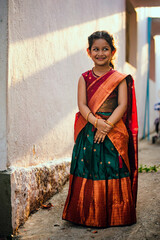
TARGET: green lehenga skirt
(100,187)
(96,161)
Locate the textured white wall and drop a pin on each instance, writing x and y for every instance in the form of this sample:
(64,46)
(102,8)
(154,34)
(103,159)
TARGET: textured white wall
(157,45)
(47,42)
(142,67)
(3,81)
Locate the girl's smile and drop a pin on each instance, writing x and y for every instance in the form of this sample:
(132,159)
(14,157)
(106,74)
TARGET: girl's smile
(100,52)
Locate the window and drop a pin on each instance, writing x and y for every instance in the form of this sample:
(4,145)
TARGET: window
(131,34)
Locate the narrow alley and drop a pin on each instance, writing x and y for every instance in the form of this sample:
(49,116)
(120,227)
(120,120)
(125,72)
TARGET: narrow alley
(47,224)
(45,48)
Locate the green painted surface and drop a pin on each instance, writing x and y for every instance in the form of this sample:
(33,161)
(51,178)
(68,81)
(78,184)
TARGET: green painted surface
(5,204)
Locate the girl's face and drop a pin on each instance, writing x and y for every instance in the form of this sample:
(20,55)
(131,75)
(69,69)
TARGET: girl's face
(101,53)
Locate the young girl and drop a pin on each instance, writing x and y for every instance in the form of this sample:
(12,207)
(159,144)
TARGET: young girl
(103,174)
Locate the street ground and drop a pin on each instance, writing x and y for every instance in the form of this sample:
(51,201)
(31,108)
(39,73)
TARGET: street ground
(48,225)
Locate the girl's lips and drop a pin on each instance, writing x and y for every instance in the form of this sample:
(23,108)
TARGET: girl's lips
(100,59)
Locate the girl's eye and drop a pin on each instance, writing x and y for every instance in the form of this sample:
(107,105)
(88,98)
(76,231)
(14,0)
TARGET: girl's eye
(105,49)
(95,49)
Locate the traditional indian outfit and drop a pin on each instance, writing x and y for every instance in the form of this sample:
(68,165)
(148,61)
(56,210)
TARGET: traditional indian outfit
(103,177)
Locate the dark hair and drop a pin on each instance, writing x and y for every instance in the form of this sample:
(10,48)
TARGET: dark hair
(102,35)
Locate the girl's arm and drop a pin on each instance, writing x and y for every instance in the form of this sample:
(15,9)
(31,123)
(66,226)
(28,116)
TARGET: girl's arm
(122,103)
(83,108)
(82,98)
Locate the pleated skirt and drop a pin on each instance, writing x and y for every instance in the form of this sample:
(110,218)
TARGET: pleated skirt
(99,185)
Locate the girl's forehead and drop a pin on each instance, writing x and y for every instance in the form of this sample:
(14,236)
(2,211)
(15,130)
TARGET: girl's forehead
(100,42)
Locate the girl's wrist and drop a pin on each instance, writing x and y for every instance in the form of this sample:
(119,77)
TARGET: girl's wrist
(95,123)
(109,123)
(88,115)
(91,118)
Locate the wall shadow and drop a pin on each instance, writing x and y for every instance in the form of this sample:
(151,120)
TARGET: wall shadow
(28,26)
(43,86)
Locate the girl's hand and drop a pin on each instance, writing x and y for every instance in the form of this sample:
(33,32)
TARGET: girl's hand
(103,127)
(99,137)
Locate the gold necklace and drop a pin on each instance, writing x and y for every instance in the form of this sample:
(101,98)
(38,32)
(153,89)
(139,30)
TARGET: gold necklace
(101,74)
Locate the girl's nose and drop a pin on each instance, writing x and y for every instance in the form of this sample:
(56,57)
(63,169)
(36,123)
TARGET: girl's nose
(100,52)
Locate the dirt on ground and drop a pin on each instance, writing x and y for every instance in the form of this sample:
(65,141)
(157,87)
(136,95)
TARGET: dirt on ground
(48,224)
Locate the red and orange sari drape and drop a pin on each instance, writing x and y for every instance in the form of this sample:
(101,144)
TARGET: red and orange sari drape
(102,189)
